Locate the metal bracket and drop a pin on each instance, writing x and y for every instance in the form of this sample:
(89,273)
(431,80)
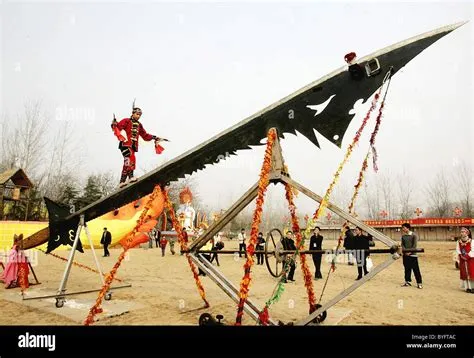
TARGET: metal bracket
(372,67)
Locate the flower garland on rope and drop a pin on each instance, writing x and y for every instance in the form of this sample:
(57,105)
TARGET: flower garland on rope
(184,247)
(264,315)
(257,218)
(324,202)
(308,282)
(300,239)
(76,264)
(95,309)
(378,121)
(358,185)
(361,177)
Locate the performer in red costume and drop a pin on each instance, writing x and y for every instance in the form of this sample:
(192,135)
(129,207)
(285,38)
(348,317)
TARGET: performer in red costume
(129,146)
(466,260)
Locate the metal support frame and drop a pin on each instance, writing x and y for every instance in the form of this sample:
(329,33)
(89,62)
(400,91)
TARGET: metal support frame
(61,293)
(308,320)
(335,209)
(278,175)
(33,272)
(227,286)
(226,218)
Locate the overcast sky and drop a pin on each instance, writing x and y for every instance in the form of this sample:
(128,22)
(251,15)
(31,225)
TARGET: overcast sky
(197,68)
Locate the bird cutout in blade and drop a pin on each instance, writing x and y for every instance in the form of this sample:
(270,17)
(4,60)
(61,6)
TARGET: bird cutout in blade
(319,108)
(61,232)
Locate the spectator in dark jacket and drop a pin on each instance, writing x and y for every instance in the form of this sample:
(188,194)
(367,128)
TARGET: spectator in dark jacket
(106,240)
(361,246)
(410,259)
(260,247)
(289,244)
(315,243)
(349,244)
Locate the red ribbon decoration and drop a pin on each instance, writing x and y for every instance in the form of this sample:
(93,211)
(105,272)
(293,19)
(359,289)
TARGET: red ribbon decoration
(158,148)
(119,136)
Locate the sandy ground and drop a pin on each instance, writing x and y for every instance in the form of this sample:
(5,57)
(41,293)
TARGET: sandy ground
(167,291)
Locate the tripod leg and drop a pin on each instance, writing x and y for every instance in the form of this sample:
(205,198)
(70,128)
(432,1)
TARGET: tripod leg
(62,286)
(94,254)
(33,272)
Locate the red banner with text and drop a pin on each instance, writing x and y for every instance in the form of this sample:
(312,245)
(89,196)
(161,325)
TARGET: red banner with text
(422,221)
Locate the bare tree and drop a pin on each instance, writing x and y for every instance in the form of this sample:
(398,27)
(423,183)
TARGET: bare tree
(30,138)
(48,155)
(63,167)
(437,193)
(372,199)
(107,182)
(405,193)
(8,157)
(464,182)
(274,210)
(385,185)
(342,194)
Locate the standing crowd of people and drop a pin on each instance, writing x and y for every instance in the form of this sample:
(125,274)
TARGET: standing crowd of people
(356,245)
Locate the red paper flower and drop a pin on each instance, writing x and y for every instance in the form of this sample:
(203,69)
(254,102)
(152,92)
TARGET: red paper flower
(349,57)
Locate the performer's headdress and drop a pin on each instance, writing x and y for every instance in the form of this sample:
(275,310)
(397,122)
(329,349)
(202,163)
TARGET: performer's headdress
(18,240)
(185,196)
(469,234)
(136,109)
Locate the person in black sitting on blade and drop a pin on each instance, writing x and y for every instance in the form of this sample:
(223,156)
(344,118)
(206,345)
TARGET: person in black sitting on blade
(287,243)
(361,246)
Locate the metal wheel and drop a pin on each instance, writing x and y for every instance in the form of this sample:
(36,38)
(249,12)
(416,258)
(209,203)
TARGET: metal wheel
(59,302)
(108,296)
(274,267)
(207,320)
(321,317)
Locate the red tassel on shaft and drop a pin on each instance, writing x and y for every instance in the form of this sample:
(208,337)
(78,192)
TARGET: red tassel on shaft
(158,148)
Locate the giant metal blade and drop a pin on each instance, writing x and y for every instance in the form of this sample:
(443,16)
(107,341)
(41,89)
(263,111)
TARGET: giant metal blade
(337,89)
